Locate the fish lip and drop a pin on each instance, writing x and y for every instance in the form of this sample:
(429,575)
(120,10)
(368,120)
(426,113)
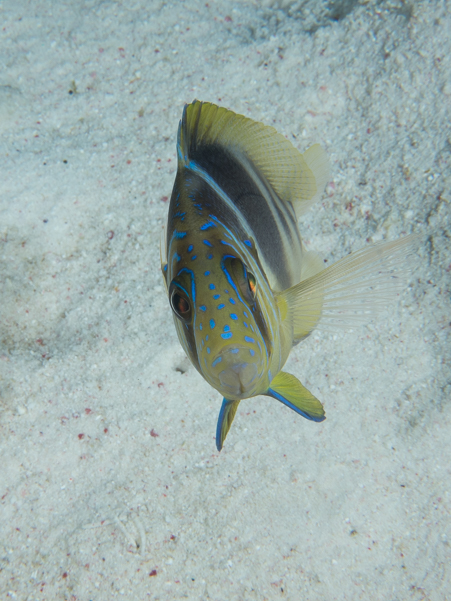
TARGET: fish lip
(237,371)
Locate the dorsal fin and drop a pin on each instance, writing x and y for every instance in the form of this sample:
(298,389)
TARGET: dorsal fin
(295,177)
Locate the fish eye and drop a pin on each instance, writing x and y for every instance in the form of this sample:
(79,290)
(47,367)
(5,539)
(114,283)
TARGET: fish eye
(180,302)
(252,284)
(244,279)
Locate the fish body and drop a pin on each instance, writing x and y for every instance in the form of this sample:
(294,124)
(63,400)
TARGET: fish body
(242,288)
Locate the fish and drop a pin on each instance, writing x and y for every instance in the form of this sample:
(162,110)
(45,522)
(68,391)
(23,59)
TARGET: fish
(242,287)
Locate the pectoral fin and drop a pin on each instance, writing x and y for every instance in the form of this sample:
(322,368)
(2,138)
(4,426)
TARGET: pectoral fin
(351,291)
(288,390)
(225,420)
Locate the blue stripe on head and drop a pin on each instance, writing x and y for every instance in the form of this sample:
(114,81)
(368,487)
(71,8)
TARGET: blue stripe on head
(229,278)
(207,243)
(193,283)
(207,225)
(179,235)
(216,361)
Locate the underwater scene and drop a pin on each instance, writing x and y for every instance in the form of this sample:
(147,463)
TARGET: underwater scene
(225,278)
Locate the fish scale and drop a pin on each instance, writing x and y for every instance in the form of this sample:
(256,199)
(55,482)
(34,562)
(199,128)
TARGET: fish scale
(242,288)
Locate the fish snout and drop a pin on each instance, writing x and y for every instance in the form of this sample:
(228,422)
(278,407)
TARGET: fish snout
(237,372)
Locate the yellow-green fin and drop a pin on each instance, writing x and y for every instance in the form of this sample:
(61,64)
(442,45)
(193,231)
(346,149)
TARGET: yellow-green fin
(225,419)
(349,292)
(287,389)
(295,177)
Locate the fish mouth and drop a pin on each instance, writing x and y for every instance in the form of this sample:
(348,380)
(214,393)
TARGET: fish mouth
(237,372)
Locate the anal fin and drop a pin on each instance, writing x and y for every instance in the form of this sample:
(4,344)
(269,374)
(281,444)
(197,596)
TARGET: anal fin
(225,419)
(287,389)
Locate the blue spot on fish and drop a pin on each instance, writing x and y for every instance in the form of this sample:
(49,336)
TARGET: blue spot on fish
(249,339)
(207,273)
(194,257)
(210,256)
(165,268)
(208,350)
(212,286)
(207,225)
(207,242)
(227,335)
(203,308)
(248,243)
(216,296)
(245,314)
(234,351)
(252,352)
(226,328)
(206,337)
(190,248)
(216,361)
(232,301)
(245,324)
(212,323)
(221,306)
(200,327)
(234,316)
(179,235)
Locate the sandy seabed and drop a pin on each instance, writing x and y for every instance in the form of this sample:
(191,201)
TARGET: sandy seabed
(110,483)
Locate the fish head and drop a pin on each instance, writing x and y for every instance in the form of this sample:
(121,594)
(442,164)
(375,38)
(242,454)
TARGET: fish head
(221,324)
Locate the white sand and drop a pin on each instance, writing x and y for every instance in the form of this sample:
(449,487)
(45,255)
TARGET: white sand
(110,483)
